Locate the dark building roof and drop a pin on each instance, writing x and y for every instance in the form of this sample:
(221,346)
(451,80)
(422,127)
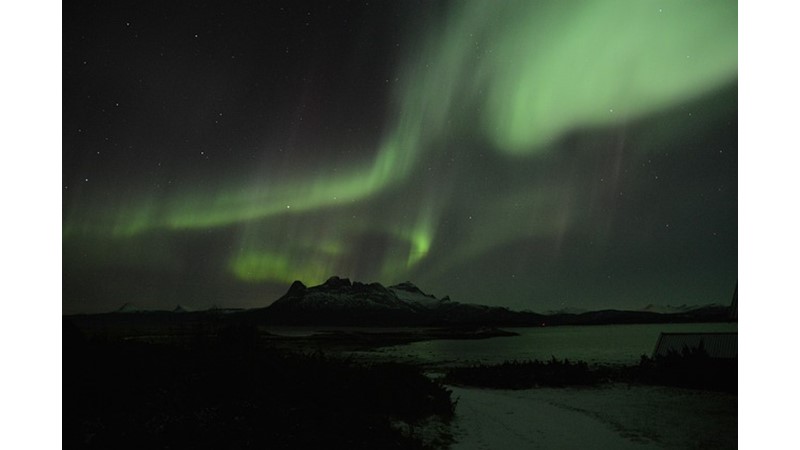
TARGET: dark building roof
(717,345)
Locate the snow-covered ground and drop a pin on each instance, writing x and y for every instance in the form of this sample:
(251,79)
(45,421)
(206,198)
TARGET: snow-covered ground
(614,417)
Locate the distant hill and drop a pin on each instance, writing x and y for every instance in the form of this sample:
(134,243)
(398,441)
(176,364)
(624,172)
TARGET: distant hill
(568,310)
(674,309)
(711,313)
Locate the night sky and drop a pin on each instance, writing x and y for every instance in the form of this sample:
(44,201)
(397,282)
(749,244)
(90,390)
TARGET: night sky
(530,154)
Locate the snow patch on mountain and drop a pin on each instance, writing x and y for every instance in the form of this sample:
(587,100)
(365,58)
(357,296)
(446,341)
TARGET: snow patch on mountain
(409,293)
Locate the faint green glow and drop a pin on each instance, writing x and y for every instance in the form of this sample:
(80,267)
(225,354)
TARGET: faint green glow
(420,245)
(289,248)
(314,250)
(535,70)
(515,75)
(262,200)
(235,203)
(263,267)
(603,63)
(420,236)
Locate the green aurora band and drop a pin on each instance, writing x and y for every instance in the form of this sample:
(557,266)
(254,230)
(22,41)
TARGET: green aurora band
(514,76)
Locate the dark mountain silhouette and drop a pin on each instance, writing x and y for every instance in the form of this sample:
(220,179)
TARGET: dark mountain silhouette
(339,301)
(711,313)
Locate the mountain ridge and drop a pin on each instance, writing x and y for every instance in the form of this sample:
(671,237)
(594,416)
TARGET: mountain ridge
(341,302)
(338,301)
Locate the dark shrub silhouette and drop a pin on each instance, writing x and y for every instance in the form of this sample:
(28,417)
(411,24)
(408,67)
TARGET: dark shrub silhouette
(523,375)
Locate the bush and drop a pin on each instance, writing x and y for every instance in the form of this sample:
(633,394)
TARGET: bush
(523,375)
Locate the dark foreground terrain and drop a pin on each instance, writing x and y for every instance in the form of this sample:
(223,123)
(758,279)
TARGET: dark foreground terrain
(183,381)
(232,392)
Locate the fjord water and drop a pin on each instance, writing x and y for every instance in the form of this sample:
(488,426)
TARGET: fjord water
(604,344)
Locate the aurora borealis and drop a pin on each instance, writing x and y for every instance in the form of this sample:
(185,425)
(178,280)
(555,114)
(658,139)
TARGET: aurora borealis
(530,154)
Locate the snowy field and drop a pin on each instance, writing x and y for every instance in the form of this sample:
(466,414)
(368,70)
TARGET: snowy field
(612,417)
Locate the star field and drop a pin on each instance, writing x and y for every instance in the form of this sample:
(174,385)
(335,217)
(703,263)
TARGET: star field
(535,155)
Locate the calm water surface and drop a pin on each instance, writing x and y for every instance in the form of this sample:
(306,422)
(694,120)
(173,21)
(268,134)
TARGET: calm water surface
(616,344)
